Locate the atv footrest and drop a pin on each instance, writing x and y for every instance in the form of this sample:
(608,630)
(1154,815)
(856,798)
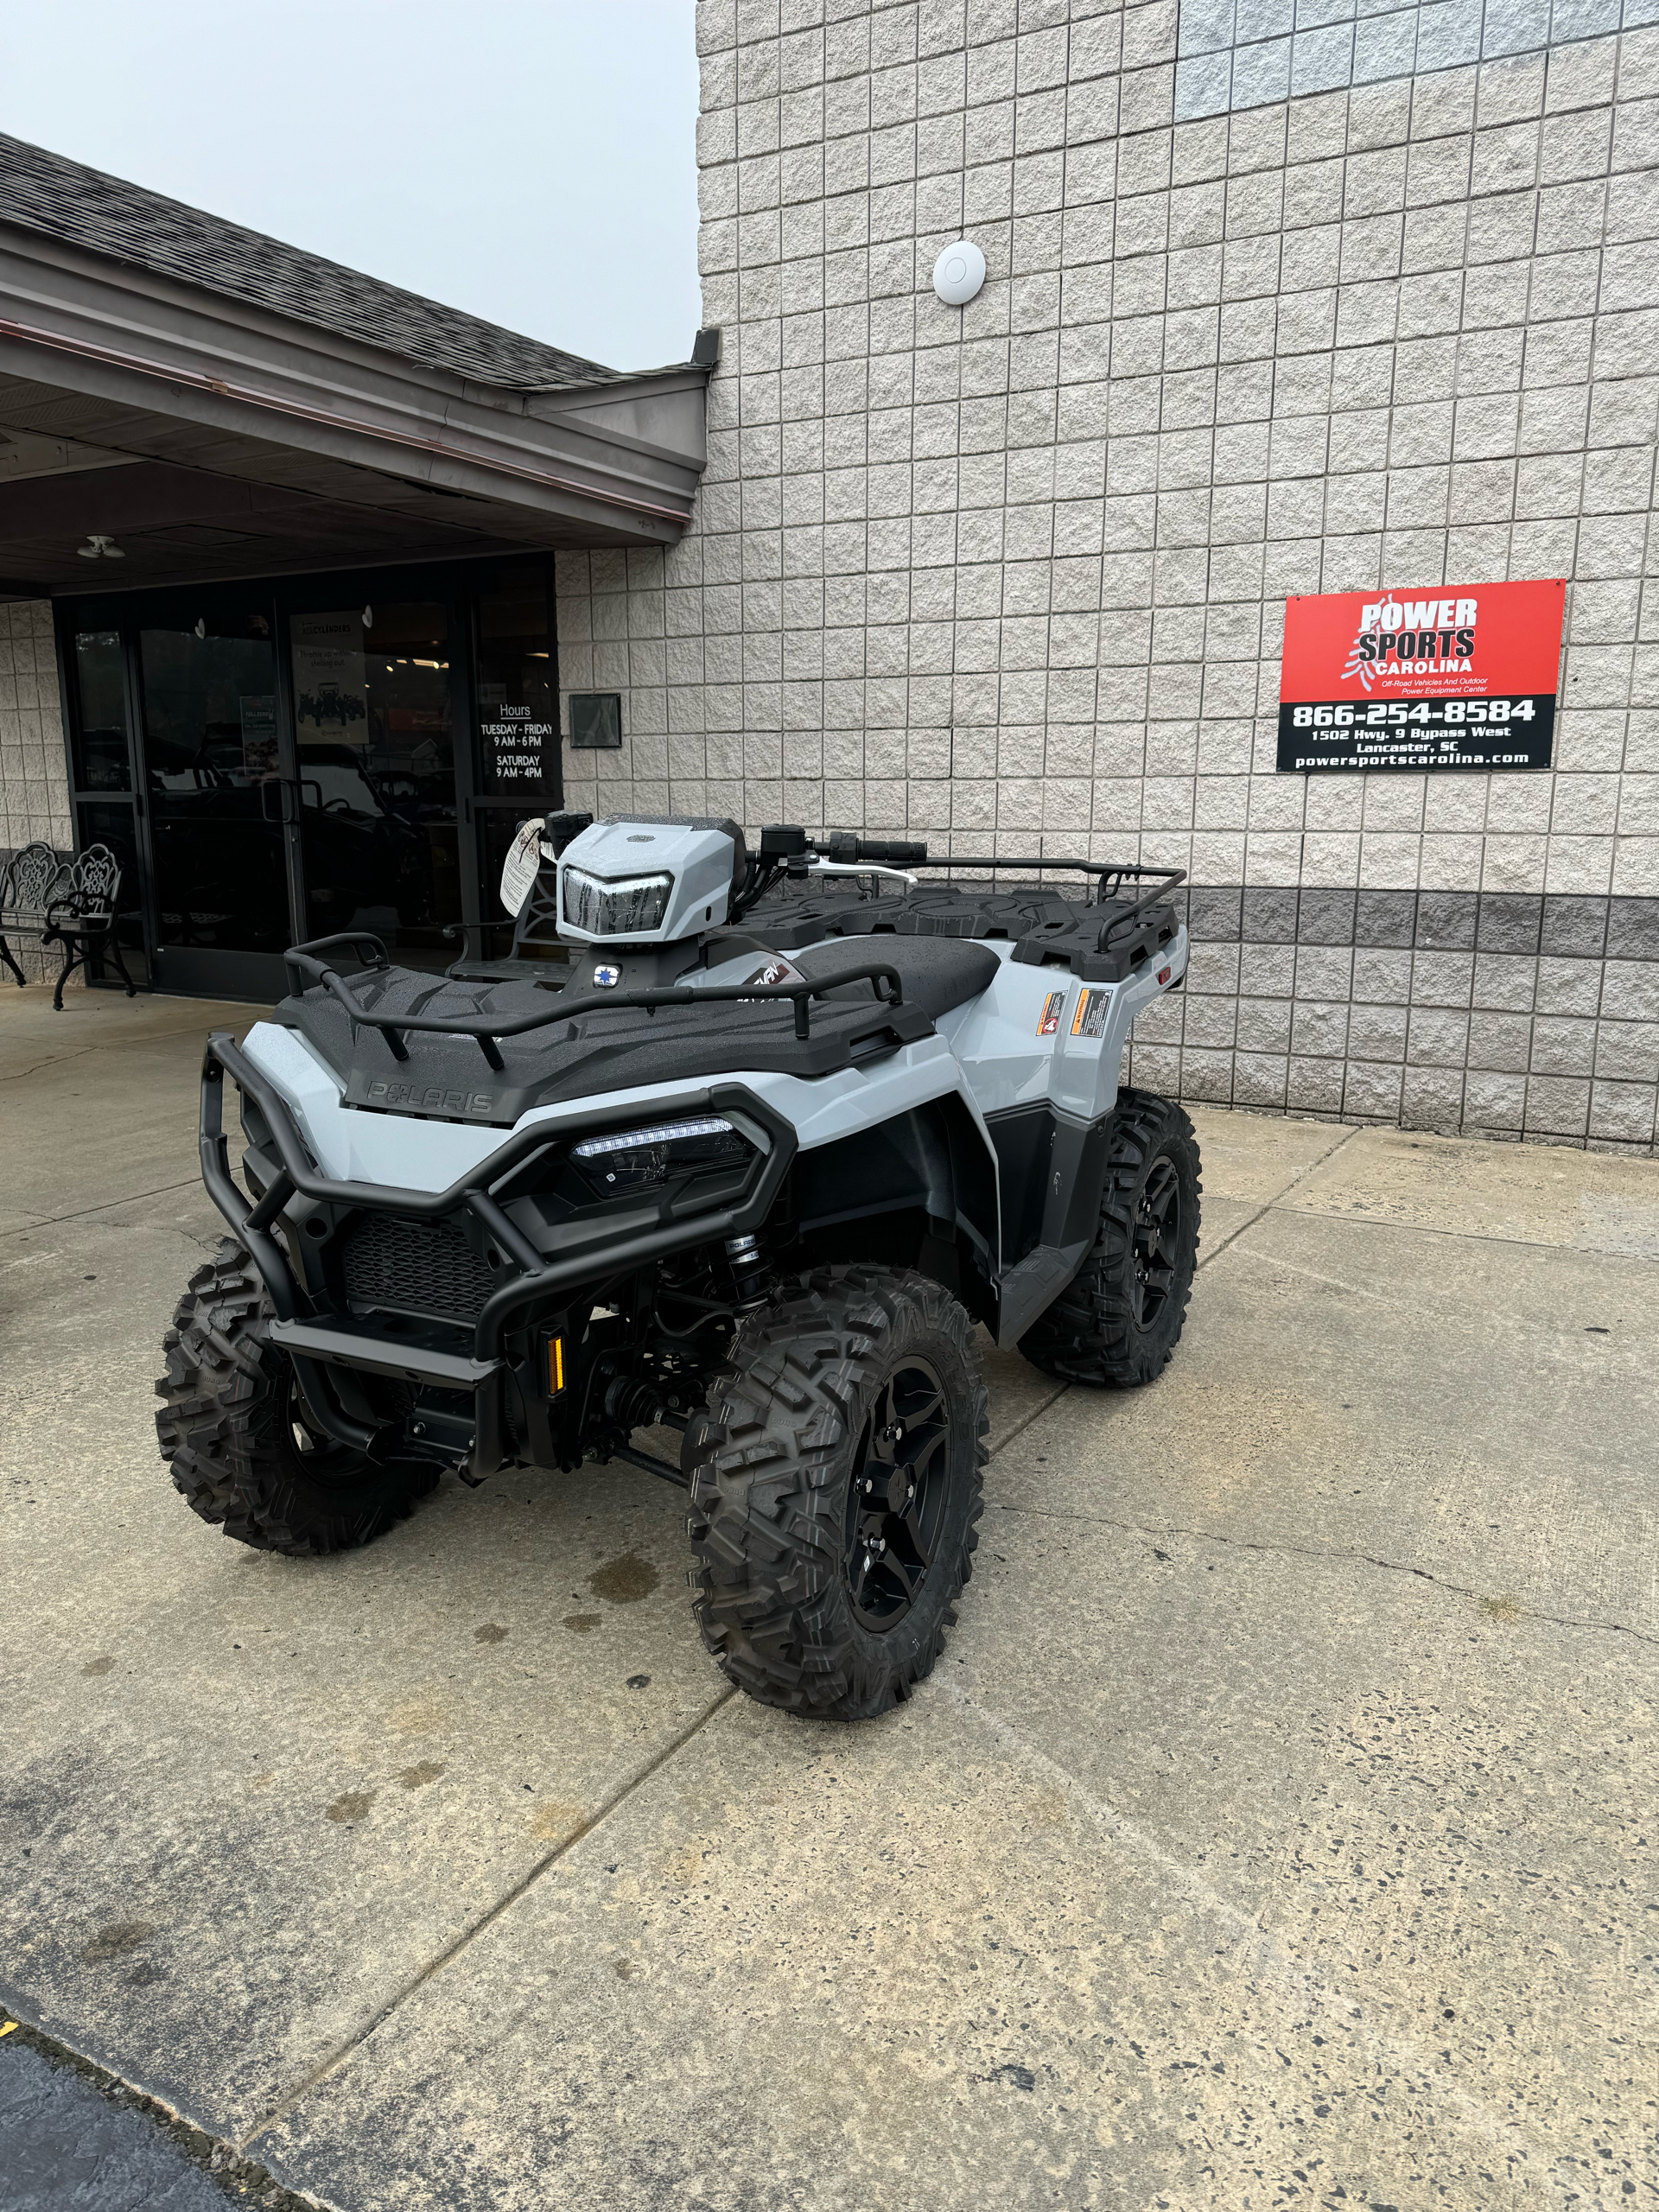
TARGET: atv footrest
(407,1362)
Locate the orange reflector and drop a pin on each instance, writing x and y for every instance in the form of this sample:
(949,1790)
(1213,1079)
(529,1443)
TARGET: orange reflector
(554,1366)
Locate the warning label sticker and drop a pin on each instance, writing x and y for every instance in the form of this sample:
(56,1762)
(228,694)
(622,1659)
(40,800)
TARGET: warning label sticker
(1090,1019)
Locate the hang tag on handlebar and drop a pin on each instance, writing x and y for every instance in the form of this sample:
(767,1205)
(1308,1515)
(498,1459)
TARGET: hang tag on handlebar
(522,865)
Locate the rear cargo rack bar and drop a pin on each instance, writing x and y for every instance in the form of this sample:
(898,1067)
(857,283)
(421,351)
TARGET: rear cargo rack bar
(1112,876)
(486,1029)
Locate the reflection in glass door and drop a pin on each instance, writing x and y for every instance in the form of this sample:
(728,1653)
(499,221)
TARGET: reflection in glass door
(375,717)
(216,804)
(518,731)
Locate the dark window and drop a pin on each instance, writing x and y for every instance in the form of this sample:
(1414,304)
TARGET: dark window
(112,824)
(518,691)
(596,720)
(215,798)
(374,707)
(100,746)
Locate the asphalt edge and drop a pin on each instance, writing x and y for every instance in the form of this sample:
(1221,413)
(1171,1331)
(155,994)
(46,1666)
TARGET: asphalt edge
(241,2181)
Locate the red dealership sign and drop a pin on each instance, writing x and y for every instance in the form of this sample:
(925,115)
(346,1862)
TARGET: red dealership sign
(1449,676)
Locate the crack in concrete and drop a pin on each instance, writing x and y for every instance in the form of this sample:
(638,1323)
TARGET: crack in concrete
(108,1205)
(509,1897)
(56,1059)
(1359,1219)
(1278,1198)
(1314,1551)
(337,2056)
(1255,1948)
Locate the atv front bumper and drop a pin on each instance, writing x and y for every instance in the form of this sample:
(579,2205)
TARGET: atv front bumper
(320,1340)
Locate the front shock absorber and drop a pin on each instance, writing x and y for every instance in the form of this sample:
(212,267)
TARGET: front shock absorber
(749,1265)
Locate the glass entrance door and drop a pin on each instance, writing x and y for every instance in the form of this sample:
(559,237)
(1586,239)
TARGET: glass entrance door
(518,732)
(376,714)
(279,762)
(213,778)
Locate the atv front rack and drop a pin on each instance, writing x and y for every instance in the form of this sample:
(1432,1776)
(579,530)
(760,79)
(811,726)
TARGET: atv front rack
(484,1029)
(316,1340)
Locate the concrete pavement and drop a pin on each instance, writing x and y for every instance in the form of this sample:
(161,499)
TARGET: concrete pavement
(1274,1831)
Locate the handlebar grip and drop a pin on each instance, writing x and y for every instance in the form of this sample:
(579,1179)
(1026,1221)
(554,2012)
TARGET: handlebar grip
(849,850)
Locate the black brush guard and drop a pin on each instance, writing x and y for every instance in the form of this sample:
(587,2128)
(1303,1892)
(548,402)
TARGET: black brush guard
(316,1341)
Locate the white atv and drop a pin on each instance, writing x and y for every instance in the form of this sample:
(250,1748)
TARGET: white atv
(739,1145)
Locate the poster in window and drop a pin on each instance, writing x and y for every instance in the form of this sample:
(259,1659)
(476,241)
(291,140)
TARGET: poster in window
(331,698)
(259,714)
(1443,678)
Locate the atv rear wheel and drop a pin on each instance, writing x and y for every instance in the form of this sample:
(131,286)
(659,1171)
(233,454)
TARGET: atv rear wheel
(1120,1318)
(835,1488)
(241,1445)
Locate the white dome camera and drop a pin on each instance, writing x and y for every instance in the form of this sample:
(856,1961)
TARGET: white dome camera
(958,273)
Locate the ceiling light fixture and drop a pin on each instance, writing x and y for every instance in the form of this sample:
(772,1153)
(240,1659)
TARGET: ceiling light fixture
(99,548)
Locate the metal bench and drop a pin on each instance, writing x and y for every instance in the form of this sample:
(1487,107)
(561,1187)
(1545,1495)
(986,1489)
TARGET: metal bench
(71,900)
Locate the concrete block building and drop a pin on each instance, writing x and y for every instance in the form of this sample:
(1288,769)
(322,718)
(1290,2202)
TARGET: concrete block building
(1281,300)
(1284,296)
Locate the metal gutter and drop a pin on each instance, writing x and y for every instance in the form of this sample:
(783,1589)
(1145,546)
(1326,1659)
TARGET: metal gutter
(295,410)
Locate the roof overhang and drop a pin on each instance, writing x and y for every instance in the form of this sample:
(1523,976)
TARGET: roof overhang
(215,439)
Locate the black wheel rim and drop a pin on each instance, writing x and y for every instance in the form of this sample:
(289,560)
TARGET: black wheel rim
(897,1497)
(1155,1253)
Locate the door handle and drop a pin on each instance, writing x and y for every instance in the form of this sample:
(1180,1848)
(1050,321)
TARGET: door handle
(281,786)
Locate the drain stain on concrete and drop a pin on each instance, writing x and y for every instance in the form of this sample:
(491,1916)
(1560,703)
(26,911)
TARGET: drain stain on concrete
(552,1819)
(490,1633)
(351,1805)
(422,1716)
(624,1581)
(417,1777)
(580,1623)
(103,1666)
(116,1940)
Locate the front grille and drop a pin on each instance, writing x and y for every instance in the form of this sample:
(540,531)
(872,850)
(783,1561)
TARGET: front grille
(415,1267)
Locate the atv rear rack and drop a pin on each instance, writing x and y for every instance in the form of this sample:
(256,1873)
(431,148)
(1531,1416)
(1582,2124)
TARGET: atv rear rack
(1111,877)
(304,966)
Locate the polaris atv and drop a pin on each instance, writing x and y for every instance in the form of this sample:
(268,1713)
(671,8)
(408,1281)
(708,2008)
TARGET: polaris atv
(735,1145)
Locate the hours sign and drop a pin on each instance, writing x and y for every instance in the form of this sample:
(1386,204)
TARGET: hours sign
(1449,676)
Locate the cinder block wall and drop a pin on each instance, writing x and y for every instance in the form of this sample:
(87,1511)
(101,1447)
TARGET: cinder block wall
(34,773)
(1275,306)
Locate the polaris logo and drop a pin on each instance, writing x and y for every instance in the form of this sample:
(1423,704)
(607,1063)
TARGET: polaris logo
(430,1098)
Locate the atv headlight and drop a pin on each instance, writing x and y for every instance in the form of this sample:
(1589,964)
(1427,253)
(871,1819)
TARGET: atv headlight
(625,908)
(636,1160)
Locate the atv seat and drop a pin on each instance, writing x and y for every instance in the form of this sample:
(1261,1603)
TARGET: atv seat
(938,972)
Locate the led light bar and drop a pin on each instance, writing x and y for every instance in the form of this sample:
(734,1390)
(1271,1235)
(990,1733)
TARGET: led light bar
(665,1133)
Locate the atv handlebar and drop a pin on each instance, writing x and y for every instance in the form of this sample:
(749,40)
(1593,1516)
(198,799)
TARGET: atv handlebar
(843,847)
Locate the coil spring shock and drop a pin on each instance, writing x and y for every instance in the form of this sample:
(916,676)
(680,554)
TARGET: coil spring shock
(748,1266)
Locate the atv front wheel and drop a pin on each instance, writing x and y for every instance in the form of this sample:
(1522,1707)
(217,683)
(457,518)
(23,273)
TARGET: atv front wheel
(835,1490)
(240,1443)
(1120,1318)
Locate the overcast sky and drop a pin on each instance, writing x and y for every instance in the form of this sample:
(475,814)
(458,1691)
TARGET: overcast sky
(532,160)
